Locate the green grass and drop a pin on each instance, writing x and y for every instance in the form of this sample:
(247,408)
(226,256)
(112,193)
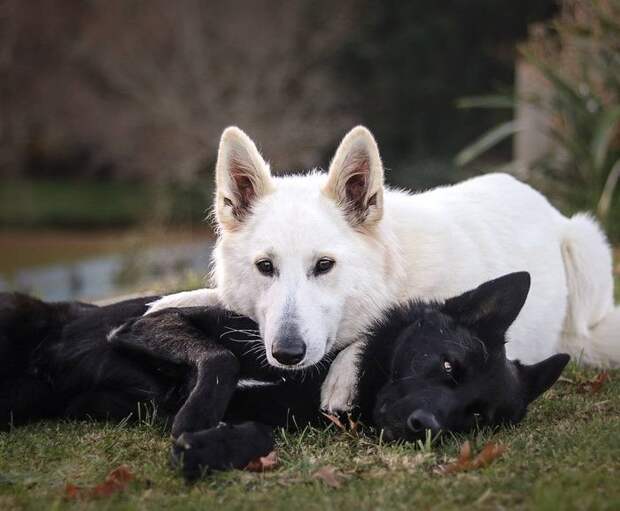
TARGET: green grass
(565,455)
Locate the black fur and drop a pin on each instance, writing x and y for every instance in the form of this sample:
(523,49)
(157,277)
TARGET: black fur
(405,386)
(69,360)
(60,360)
(221,448)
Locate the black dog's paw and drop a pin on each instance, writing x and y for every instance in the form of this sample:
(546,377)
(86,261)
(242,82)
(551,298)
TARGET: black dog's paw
(225,447)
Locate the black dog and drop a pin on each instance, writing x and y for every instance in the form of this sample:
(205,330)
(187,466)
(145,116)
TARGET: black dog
(427,366)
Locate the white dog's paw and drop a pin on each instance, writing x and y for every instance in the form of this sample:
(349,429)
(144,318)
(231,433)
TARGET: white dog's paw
(198,298)
(338,393)
(339,390)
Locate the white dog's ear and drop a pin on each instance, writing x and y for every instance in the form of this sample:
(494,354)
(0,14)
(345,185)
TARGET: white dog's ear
(242,177)
(355,179)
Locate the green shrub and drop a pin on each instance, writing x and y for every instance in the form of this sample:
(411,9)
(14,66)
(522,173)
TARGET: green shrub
(579,56)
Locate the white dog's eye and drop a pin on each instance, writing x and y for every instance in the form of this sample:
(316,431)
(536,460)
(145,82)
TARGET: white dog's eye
(323,265)
(265,266)
(447,366)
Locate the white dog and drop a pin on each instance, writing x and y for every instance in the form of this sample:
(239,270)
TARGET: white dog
(314,259)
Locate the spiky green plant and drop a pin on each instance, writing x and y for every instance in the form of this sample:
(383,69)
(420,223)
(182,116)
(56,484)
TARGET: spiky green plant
(582,69)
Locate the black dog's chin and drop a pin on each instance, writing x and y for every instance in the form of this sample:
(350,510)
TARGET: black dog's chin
(395,425)
(398,429)
(399,432)
(394,428)
(394,434)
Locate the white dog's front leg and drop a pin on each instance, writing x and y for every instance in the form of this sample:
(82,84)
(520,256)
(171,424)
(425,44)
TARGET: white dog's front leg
(198,298)
(339,389)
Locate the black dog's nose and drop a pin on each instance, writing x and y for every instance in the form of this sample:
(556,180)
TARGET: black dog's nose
(421,420)
(289,352)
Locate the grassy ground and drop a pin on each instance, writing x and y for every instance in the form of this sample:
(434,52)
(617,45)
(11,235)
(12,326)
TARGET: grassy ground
(566,455)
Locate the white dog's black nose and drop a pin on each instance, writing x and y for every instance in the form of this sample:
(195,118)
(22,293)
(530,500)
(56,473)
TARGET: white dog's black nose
(289,352)
(421,420)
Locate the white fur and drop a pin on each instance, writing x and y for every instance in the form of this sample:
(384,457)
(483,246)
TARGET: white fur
(112,333)
(249,383)
(391,246)
(197,298)
(339,387)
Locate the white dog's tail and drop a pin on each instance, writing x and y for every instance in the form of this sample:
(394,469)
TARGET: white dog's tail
(592,327)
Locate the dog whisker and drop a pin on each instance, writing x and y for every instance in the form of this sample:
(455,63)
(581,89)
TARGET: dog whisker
(250,331)
(245,341)
(252,334)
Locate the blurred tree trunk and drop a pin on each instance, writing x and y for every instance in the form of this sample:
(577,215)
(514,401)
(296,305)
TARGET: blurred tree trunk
(148,87)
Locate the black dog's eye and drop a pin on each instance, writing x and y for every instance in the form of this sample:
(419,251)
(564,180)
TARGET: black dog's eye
(323,265)
(451,369)
(265,266)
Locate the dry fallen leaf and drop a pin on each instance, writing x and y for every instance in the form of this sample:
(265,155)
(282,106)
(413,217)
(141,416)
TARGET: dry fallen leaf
(353,424)
(465,453)
(330,476)
(335,420)
(591,386)
(264,463)
(489,453)
(72,491)
(114,482)
(595,385)
(462,462)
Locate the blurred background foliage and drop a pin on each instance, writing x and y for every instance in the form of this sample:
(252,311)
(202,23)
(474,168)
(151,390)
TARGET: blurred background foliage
(577,59)
(98,92)
(111,111)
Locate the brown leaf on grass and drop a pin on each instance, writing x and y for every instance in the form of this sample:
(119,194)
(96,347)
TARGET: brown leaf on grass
(591,386)
(489,453)
(353,424)
(595,385)
(330,476)
(121,474)
(264,463)
(465,452)
(114,482)
(72,491)
(335,420)
(462,463)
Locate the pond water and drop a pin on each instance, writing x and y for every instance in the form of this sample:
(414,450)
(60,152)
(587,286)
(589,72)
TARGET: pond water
(104,269)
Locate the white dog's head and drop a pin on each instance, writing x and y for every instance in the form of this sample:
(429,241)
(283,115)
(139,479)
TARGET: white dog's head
(301,255)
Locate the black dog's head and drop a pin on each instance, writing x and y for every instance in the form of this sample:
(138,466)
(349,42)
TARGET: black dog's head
(448,367)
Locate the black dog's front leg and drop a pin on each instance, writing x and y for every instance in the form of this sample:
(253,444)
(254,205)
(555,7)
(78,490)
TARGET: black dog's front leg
(209,371)
(225,447)
(216,379)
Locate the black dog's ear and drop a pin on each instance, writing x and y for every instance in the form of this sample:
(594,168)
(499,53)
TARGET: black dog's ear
(492,307)
(538,378)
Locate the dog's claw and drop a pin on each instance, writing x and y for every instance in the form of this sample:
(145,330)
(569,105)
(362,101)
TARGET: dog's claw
(338,394)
